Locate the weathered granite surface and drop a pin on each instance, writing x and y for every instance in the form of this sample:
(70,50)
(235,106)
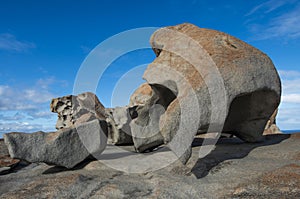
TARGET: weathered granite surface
(66,147)
(203,80)
(235,169)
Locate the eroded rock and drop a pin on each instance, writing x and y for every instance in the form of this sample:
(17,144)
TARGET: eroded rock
(141,95)
(271,127)
(145,126)
(202,81)
(194,62)
(74,110)
(118,120)
(66,147)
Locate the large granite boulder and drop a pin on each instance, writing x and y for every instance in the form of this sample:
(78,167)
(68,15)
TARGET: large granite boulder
(206,79)
(143,93)
(66,147)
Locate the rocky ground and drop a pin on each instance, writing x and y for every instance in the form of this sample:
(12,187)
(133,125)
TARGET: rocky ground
(233,170)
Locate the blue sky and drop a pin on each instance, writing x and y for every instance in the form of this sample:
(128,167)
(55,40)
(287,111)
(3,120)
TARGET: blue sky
(43,43)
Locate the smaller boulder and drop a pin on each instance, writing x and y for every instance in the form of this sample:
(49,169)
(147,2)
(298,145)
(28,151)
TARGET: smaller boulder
(141,95)
(271,127)
(6,162)
(66,147)
(118,120)
(75,110)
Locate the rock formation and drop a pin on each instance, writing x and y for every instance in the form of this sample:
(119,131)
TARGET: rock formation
(144,92)
(186,59)
(141,95)
(271,127)
(66,147)
(82,132)
(202,81)
(118,124)
(74,110)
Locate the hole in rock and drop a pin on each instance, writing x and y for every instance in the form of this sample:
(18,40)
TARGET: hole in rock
(166,96)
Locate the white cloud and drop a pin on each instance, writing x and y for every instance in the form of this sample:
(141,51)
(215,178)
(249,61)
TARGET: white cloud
(9,42)
(27,109)
(288,115)
(27,121)
(290,81)
(291,98)
(28,99)
(3,88)
(289,73)
(15,126)
(268,6)
(13,117)
(22,127)
(290,86)
(13,98)
(42,114)
(45,82)
(285,26)
(37,96)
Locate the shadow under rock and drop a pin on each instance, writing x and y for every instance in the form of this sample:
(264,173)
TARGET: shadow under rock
(16,167)
(229,148)
(58,169)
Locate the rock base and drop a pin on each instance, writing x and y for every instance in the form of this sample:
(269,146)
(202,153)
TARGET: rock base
(233,170)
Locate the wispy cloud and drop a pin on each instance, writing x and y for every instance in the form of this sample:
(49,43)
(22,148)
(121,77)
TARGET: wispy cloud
(291,86)
(291,98)
(13,117)
(288,116)
(278,25)
(30,98)
(27,99)
(22,127)
(290,82)
(289,73)
(287,25)
(37,96)
(9,42)
(269,6)
(45,114)
(27,109)
(16,126)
